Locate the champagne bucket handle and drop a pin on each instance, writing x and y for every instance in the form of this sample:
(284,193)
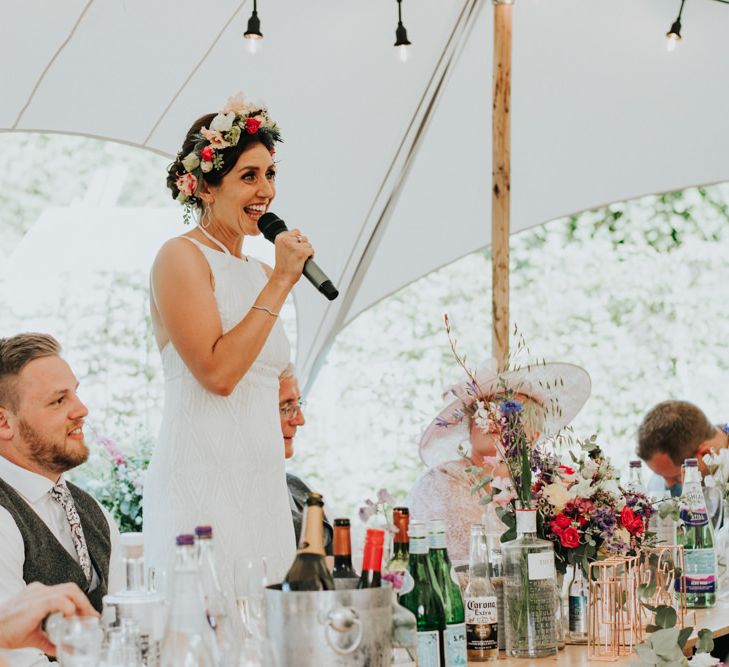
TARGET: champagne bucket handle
(343,621)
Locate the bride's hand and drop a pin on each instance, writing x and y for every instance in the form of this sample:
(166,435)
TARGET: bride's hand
(292,250)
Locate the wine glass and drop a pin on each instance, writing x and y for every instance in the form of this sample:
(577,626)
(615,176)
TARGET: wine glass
(249,579)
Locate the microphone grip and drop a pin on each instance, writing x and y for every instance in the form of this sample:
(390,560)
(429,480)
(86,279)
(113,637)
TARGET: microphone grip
(319,279)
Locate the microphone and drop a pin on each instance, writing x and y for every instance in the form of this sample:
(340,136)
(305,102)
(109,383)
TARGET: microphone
(271,226)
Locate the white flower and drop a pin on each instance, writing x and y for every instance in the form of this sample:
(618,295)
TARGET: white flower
(611,486)
(206,166)
(703,660)
(223,122)
(557,495)
(191,161)
(710,482)
(589,468)
(583,489)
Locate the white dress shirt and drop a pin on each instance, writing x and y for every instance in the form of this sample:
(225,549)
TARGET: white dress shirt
(34,489)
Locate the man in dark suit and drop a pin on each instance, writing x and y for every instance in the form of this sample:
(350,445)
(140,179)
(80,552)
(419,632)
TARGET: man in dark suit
(290,407)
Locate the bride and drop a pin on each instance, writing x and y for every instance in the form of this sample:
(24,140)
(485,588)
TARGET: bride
(219,459)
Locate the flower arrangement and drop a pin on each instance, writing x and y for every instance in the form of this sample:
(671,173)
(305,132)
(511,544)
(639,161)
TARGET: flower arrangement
(236,119)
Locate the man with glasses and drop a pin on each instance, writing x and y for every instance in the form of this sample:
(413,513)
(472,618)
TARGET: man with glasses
(290,406)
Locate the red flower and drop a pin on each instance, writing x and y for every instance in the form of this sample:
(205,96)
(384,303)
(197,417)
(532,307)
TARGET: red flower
(632,523)
(570,538)
(561,521)
(207,154)
(567,470)
(252,125)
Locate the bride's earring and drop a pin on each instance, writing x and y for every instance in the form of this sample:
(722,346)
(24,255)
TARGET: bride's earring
(205,217)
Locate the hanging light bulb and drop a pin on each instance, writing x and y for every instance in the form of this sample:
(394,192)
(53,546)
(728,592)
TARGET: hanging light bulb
(401,35)
(673,36)
(253,32)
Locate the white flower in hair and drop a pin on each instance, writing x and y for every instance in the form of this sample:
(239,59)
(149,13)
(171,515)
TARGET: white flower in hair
(223,122)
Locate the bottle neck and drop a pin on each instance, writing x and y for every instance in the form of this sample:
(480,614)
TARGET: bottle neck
(478,561)
(692,475)
(401,549)
(418,547)
(372,558)
(526,523)
(342,546)
(312,537)
(135,574)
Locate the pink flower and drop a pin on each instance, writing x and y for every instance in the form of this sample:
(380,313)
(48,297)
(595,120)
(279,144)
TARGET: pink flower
(383,496)
(506,493)
(236,104)
(395,578)
(187,184)
(215,138)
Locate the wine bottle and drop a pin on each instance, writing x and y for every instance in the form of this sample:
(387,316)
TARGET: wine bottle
(401,547)
(424,600)
(372,561)
(445,575)
(343,551)
(698,541)
(309,570)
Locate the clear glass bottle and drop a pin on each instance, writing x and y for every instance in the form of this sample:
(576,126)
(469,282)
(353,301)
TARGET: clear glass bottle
(496,574)
(189,639)
(342,548)
(482,626)
(77,639)
(404,635)
(529,591)
(217,606)
(424,600)
(698,541)
(635,479)
(665,529)
(450,591)
(578,594)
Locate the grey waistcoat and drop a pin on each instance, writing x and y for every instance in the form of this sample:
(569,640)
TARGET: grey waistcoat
(46,560)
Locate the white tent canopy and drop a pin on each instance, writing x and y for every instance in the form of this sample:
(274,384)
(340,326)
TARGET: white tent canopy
(386,165)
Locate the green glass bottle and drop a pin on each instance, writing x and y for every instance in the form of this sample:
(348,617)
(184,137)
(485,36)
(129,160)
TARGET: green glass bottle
(455,633)
(424,600)
(401,547)
(697,538)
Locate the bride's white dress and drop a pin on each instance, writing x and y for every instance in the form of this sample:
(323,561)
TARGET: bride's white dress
(219,460)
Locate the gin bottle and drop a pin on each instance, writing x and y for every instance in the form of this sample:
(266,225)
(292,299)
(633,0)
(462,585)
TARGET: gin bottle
(455,632)
(529,597)
(424,600)
(482,627)
(698,541)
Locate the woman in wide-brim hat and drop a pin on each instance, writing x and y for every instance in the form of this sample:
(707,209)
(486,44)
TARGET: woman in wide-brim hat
(550,396)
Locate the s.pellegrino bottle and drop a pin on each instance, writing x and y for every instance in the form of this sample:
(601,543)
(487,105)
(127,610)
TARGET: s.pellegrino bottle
(424,600)
(530,603)
(450,591)
(189,639)
(343,551)
(578,594)
(309,570)
(216,603)
(698,541)
(482,624)
(371,576)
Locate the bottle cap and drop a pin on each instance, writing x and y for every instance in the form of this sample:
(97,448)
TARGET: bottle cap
(636,463)
(417,529)
(132,545)
(436,526)
(204,532)
(315,499)
(691,463)
(375,536)
(185,540)
(401,510)
(341,522)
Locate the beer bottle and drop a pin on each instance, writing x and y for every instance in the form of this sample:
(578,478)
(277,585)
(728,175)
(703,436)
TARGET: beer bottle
(455,632)
(482,626)
(372,561)
(309,570)
(343,551)
(424,600)
(401,546)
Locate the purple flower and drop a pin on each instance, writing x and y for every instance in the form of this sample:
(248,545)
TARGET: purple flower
(510,407)
(383,496)
(395,578)
(365,513)
(443,423)
(605,521)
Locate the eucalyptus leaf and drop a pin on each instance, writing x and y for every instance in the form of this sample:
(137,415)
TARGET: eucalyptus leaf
(705,642)
(666,617)
(683,636)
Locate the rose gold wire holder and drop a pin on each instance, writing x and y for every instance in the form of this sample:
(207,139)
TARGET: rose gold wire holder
(614,617)
(661,582)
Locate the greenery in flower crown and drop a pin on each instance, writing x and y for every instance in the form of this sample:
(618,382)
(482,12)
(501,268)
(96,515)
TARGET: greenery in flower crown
(236,119)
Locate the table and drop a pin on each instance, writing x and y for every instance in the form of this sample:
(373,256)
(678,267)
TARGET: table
(716,619)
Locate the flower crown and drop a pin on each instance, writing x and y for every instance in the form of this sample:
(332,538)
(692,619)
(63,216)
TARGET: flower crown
(225,131)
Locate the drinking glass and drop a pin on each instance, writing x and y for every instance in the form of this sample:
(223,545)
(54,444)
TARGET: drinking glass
(250,579)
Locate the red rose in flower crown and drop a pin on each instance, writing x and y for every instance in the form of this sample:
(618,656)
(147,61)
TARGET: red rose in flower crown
(252,125)
(570,538)
(206,154)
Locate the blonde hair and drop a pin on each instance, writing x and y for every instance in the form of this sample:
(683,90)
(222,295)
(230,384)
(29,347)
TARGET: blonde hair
(15,353)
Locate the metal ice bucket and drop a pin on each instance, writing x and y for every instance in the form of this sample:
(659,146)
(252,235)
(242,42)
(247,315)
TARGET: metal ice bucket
(340,628)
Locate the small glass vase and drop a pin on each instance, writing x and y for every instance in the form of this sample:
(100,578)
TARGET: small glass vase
(530,597)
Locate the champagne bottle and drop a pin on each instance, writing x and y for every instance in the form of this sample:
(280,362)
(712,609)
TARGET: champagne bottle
(482,626)
(698,541)
(450,591)
(401,547)
(343,551)
(372,561)
(309,570)
(424,600)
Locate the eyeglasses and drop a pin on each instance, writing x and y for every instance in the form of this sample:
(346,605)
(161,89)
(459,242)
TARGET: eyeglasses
(292,408)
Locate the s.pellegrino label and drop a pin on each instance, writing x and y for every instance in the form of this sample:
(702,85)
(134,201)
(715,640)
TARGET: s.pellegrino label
(454,639)
(429,649)
(482,627)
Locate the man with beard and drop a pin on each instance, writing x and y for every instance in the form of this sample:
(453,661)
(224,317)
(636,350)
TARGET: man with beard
(51,531)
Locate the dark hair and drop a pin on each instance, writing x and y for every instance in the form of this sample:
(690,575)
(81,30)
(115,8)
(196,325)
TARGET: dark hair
(230,154)
(15,353)
(676,428)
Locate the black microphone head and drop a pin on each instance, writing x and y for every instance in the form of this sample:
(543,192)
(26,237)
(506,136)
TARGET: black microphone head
(271,226)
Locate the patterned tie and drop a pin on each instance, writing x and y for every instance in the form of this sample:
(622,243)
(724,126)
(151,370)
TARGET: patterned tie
(63,497)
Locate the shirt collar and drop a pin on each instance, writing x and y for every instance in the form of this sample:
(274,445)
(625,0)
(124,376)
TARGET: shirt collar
(30,485)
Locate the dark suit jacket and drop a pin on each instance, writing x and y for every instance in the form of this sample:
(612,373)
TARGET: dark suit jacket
(299,490)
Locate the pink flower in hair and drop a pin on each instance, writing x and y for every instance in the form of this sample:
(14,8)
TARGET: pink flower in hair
(214,137)
(187,184)
(236,104)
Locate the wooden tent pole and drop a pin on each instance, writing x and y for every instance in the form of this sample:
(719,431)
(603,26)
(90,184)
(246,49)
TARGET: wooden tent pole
(501,180)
